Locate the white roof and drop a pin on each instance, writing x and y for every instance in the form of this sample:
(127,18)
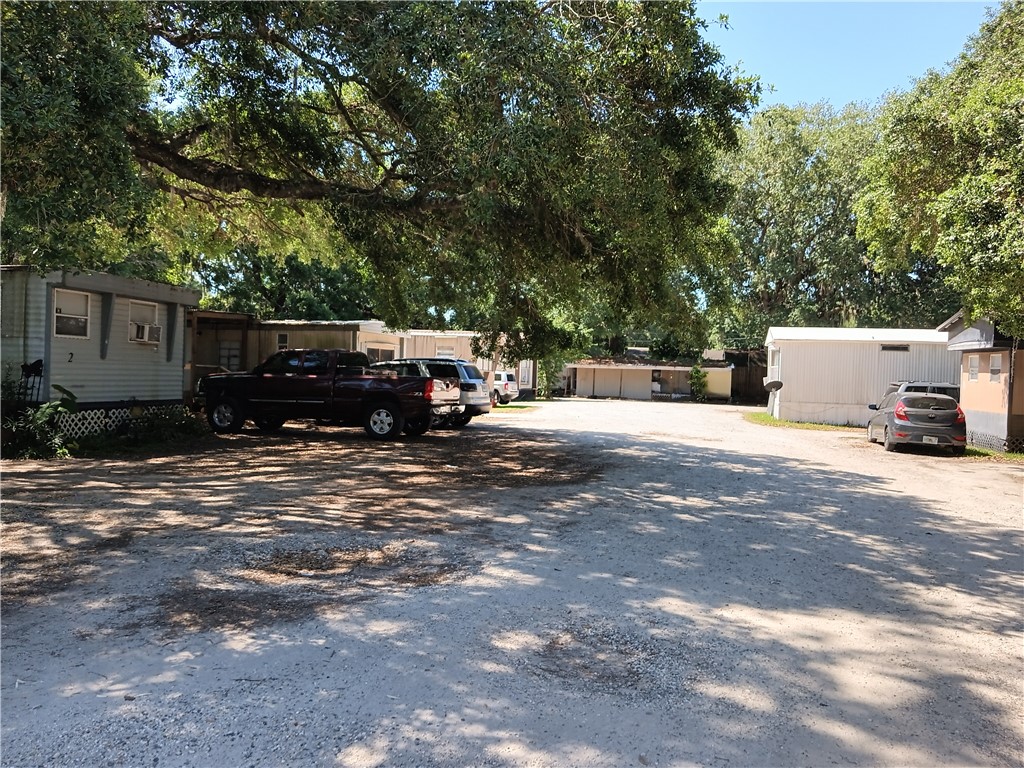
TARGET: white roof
(886,335)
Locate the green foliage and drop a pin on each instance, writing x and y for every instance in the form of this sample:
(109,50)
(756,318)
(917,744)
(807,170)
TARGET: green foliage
(500,166)
(35,433)
(71,86)
(800,261)
(164,427)
(946,181)
(248,280)
(698,383)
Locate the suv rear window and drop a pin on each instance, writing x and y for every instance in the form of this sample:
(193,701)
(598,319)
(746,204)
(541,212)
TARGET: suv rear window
(444,370)
(473,372)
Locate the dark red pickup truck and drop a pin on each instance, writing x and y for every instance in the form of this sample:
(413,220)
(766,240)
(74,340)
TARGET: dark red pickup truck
(333,386)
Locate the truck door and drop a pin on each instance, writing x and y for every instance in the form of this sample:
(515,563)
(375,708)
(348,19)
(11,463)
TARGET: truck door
(294,382)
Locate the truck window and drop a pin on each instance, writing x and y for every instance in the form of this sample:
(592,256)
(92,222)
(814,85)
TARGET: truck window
(316,362)
(282,362)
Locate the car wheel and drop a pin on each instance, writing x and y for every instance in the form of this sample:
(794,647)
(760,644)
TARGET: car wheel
(459,421)
(871,437)
(417,426)
(225,416)
(887,441)
(959,450)
(495,398)
(383,421)
(268,423)
(439,422)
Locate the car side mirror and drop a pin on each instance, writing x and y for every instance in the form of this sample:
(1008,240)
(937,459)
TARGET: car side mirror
(873,407)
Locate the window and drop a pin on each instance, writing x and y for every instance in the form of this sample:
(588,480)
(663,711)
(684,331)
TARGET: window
(282,362)
(282,341)
(231,355)
(380,354)
(70,313)
(895,347)
(973,361)
(142,322)
(995,367)
(446,351)
(316,362)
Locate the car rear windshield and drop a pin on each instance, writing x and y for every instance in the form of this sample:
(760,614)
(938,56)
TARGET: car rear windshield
(930,403)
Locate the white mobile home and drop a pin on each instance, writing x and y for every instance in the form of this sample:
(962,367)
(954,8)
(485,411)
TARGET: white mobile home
(109,340)
(830,375)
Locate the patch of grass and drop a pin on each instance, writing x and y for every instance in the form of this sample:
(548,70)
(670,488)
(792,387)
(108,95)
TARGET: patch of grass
(766,420)
(986,454)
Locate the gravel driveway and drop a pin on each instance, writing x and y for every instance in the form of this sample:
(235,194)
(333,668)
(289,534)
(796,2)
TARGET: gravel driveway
(577,583)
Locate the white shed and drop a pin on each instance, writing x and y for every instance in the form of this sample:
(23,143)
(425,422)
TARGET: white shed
(829,375)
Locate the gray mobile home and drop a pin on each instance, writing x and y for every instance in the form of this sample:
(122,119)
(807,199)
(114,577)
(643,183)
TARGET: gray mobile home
(830,375)
(112,341)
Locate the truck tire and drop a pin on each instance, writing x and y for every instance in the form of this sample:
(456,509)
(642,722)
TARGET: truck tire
(383,421)
(417,426)
(268,423)
(225,416)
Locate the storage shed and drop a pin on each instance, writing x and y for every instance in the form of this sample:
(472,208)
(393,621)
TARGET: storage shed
(991,381)
(830,375)
(641,381)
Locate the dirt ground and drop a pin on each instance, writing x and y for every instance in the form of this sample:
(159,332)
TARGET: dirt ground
(574,583)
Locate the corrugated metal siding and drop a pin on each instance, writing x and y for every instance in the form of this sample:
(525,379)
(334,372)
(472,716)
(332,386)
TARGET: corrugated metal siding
(607,382)
(130,370)
(832,382)
(22,319)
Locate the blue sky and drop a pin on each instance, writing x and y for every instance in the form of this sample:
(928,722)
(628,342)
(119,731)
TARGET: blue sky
(840,52)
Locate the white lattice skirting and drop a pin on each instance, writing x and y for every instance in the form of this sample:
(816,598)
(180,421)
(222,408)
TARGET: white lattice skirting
(95,421)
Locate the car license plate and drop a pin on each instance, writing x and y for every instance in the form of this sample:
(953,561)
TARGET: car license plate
(930,440)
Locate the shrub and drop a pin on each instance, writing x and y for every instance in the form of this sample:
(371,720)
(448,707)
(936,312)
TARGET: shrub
(35,433)
(698,383)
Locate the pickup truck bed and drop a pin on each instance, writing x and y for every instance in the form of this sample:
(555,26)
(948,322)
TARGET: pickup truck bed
(334,386)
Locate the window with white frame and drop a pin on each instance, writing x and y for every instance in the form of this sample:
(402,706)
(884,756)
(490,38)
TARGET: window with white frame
(445,351)
(995,367)
(142,321)
(71,313)
(973,363)
(282,341)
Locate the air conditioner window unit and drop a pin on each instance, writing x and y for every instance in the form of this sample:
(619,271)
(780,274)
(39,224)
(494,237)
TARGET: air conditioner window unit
(144,333)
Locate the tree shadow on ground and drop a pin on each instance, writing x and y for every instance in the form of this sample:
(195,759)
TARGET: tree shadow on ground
(680,587)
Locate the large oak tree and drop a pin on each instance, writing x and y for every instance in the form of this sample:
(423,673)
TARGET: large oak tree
(514,162)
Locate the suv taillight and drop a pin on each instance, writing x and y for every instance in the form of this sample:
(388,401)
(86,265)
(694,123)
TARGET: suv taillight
(900,413)
(960,418)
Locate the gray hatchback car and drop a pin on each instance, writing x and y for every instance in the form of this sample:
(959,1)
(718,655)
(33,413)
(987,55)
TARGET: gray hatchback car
(916,418)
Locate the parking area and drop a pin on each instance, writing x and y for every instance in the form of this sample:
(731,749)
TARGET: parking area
(568,583)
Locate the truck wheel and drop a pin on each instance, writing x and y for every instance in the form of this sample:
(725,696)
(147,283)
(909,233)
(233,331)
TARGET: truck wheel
(417,426)
(459,421)
(268,423)
(383,421)
(225,416)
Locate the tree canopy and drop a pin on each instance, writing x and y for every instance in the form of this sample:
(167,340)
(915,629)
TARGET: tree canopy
(799,261)
(514,162)
(946,180)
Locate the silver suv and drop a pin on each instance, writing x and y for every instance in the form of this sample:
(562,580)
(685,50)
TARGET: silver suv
(474,398)
(506,388)
(930,387)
